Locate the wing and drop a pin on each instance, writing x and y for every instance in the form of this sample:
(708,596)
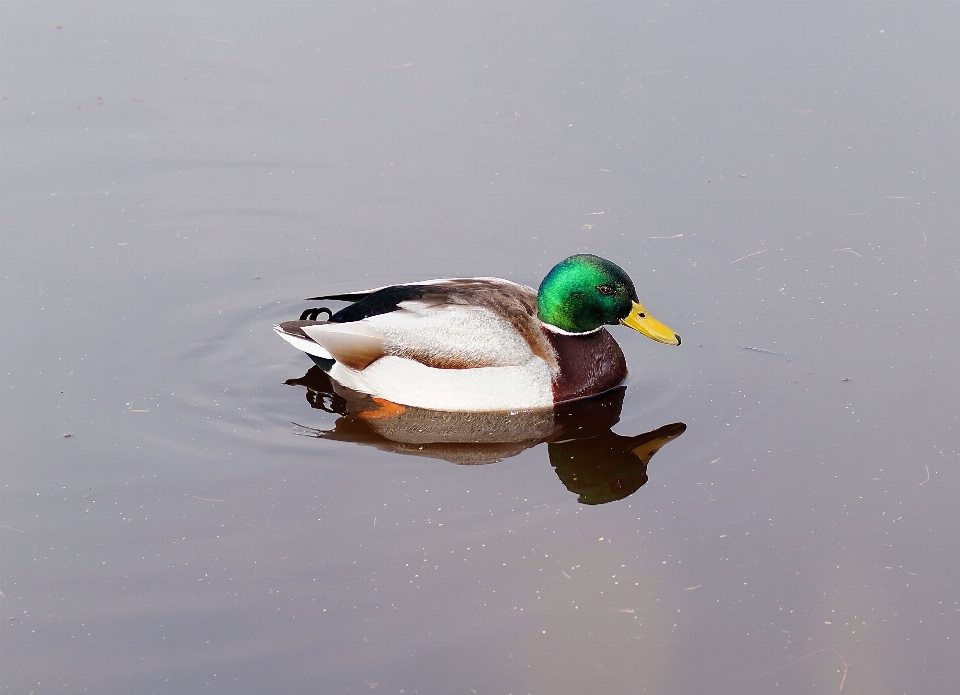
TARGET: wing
(383,300)
(353,345)
(449,324)
(363,294)
(443,336)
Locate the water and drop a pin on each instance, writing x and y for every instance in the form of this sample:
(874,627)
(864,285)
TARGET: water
(778,179)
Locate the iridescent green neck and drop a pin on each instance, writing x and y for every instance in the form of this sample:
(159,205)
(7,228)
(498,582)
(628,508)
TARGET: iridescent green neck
(584,292)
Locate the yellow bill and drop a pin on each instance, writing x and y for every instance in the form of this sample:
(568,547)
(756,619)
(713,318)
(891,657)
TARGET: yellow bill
(639,320)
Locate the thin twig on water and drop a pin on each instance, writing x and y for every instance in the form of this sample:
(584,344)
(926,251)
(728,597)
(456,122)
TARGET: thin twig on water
(797,661)
(846,667)
(755,253)
(766,352)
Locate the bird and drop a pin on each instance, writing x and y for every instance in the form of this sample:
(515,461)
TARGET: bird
(480,344)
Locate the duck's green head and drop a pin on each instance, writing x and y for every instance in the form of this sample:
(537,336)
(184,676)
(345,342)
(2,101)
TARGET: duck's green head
(584,292)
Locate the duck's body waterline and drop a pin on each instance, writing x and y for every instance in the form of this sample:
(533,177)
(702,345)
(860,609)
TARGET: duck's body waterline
(480,344)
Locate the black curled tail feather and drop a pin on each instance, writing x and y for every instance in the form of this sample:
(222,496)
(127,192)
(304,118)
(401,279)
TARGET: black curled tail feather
(314,313)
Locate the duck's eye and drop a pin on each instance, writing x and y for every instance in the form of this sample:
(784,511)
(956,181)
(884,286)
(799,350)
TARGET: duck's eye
(606,290)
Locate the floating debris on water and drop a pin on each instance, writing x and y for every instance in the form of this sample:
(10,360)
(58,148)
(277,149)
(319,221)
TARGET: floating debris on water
(766,352)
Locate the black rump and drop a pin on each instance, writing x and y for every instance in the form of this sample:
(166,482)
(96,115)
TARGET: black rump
(380,302)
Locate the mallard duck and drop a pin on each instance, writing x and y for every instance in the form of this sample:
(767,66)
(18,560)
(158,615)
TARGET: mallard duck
(480,344)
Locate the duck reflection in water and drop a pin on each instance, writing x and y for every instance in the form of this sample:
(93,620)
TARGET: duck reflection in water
(592,461)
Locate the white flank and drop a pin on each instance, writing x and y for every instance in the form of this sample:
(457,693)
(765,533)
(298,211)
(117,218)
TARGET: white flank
(408,382)
(469,333)
(445,332)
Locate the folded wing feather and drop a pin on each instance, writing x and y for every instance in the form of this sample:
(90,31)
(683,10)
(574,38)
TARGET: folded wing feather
(354,345)
(437,335)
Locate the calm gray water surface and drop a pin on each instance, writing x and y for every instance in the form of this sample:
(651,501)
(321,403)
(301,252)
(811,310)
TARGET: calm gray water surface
(781,181)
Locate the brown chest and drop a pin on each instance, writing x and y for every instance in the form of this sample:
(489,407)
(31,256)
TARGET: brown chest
(588,364)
